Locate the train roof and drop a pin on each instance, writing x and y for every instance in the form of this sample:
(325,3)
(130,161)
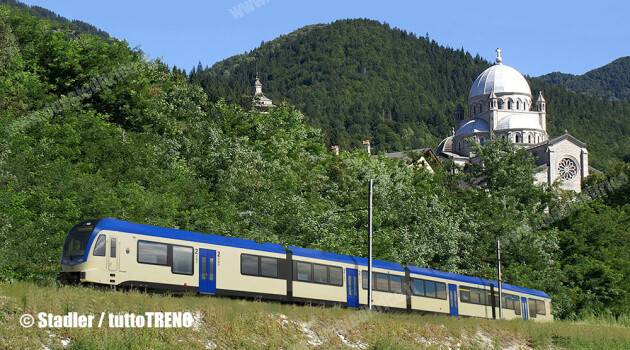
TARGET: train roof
(474,280)
(349,259)
(157,231)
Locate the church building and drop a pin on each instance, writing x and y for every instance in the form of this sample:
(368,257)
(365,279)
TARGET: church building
(501,105)
(260,102)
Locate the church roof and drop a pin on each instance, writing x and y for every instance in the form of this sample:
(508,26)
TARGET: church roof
(567,136)
(499,78)
(405,155)
(519,121)
(473,126)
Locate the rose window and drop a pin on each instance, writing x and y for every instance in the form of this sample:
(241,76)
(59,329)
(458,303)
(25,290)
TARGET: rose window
(567,169)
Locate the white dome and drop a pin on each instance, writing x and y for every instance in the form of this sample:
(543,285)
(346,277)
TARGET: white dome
(499,79)
(519,122)
(473,126)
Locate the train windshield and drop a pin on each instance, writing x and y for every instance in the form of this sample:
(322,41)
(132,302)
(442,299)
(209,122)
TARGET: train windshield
(76,242)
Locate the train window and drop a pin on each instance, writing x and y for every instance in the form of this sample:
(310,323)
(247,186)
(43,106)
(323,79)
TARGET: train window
(76,242)
(381,282)
(350,287)
(429,289)
(303,271)
(483,297)
(182,260)
(336,275)
(510,302)
(255,265)
(475,296)
(320,273)
(417,287)
(112,247)
(203,268)
(464,295)
(268,267)
(531,304)
(249,265)
(211,272)
(152,253)
(99,247)
(395,284)
(441,290)
(540,307)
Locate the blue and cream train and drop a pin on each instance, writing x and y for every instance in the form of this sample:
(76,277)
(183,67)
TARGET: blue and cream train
(119,253)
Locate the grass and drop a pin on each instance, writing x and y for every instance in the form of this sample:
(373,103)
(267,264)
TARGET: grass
(239,324)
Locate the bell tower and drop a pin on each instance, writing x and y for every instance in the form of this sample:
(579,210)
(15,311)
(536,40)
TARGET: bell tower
(541,107)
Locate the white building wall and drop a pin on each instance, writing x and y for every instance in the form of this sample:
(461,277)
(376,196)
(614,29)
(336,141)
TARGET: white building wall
(567,149)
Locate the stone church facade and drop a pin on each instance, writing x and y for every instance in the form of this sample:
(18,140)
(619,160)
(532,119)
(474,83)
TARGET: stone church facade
(501,105)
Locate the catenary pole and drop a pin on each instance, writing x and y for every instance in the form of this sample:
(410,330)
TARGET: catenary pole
(499,279)
(370,185)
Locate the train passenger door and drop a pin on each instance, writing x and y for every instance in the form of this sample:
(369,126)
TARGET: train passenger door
(207,271)
(352,287)
(524,306)
(112,254)
(452,300)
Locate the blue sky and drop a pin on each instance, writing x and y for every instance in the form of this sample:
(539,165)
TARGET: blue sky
(537,37)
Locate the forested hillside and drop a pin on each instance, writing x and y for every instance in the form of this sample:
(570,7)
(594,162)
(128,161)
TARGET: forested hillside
(74,25)
(611,81)
(89,128)
(358,79)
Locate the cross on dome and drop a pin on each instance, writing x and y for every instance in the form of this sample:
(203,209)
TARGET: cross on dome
(499,56)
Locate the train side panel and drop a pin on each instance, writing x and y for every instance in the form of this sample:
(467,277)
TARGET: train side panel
(381,298)
(423,303)
(231,281)
(306,291)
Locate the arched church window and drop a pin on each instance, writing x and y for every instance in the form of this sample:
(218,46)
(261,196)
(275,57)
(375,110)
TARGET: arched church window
(529,139)
(519,138)
(518,104)
(510,104)
(480,107)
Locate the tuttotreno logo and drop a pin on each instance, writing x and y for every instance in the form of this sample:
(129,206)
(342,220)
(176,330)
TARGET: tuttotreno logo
(110,320)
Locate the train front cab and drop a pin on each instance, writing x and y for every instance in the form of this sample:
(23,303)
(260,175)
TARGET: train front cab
(77,248)
(114,252)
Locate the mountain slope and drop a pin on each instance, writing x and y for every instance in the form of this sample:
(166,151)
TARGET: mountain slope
(75,25)
(611,81)
(355,79)
(359,79)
